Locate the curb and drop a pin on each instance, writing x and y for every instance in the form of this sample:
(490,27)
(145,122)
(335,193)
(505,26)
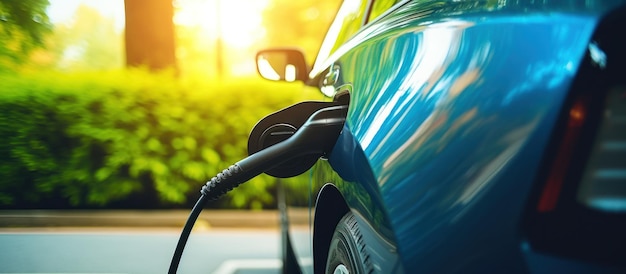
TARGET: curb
(144,218)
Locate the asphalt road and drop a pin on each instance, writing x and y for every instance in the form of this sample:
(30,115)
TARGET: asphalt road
(137,250)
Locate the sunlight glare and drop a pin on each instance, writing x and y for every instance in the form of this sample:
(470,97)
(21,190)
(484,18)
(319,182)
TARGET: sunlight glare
(238,23)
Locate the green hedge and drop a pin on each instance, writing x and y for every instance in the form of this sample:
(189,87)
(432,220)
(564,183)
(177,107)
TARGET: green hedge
(91,139)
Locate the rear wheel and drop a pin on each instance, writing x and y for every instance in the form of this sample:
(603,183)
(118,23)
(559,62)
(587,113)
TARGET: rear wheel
(347,253)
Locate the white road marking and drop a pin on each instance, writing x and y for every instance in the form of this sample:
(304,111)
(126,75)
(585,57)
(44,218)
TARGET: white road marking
(231,266)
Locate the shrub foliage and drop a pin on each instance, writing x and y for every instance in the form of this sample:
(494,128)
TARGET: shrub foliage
(89,140)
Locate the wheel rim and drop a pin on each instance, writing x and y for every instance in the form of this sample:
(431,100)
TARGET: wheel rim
(341,269)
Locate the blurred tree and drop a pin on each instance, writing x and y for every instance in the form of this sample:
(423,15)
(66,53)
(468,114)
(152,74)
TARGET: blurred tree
(23,25)
(301,24)
(150,34)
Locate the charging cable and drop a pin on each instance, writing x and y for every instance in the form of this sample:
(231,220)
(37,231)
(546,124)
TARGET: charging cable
(316,137)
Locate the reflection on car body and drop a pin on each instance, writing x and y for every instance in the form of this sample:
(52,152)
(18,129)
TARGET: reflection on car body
(482,137)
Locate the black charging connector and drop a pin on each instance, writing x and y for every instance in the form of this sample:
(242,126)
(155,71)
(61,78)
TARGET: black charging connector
(281,125)
(315,138)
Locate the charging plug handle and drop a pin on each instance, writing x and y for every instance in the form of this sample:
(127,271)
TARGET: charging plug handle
(316,137)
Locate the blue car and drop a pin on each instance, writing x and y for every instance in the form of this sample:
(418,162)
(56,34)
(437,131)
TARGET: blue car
(481,137)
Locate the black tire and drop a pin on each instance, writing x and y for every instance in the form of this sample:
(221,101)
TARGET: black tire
(347,252)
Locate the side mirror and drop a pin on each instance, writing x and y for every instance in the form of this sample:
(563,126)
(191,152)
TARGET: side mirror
(282,64)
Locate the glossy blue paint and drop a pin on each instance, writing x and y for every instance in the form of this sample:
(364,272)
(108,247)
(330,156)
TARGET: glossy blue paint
(450,114)
(466,98)
(452,105)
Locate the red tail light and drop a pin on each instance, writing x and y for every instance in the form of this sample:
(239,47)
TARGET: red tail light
(552,189)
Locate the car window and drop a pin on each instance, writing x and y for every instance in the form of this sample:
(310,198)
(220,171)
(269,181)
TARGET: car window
(379,7)
(348,21)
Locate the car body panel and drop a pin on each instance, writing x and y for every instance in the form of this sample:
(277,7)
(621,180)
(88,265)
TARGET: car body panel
(450,111)
(450,122)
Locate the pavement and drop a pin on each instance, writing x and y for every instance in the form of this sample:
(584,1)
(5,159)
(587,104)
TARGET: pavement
(14,219)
